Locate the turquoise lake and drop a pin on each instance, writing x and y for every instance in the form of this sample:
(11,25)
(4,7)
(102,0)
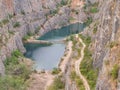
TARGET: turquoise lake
(47,57)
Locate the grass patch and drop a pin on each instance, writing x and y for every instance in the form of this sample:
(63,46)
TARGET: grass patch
(5,21)
(10,16)
(77,80)
(63,2)
(27,36)
(114,72)
(95,30)
(112,44)
(57,84)
(93,10)
(22,12)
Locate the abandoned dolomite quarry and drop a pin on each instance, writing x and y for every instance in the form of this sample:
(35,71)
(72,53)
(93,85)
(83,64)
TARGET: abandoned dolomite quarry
(59,44)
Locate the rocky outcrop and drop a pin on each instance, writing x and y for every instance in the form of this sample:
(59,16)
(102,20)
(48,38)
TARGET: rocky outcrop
(106,41)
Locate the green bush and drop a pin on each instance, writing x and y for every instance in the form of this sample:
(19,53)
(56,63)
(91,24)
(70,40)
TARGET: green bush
(95,30)
(13,59)
(26,37)
(5,21)
(53,12)
(10,16)
(114,72)
(63,2)
(89,21)
(17,53)
(1,25)
(17,24)
(37,29)
(22,12)
(94,10)
(112,44)
(56,71)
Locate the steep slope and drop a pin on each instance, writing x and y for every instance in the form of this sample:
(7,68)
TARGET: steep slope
(106,42)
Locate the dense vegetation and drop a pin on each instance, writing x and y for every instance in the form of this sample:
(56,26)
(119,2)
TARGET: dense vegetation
(87,64)
(17,73)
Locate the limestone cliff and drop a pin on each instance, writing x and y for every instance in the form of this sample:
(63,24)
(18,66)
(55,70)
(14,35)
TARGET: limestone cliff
(105,33)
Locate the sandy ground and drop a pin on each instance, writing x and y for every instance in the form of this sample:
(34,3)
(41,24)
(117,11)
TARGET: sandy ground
(40,81)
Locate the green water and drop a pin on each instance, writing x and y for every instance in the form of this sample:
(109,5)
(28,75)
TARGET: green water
(48,57)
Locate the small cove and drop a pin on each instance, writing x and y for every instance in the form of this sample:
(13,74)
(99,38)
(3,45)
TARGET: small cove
(48,57)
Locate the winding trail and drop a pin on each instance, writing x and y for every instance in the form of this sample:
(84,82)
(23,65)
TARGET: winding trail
(77,65)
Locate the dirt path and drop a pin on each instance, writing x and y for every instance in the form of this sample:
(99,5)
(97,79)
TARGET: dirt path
(77,66)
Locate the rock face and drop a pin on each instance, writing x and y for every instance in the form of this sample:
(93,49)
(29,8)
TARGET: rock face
(106,43)
(20,17)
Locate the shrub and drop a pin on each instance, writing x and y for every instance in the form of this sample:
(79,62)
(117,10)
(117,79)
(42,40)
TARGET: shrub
(26,37)
(5,21)
(17,24)
(37,29)
(95,30)
(10,16)
(16,53)
(22,12)
(89,21)
(63,2)
(114,72)
(11,32)
(56,71)
(112,44)
(53,12)
(93,10)
(1,25)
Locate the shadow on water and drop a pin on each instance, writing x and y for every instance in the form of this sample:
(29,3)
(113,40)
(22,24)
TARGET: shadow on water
(48,56)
